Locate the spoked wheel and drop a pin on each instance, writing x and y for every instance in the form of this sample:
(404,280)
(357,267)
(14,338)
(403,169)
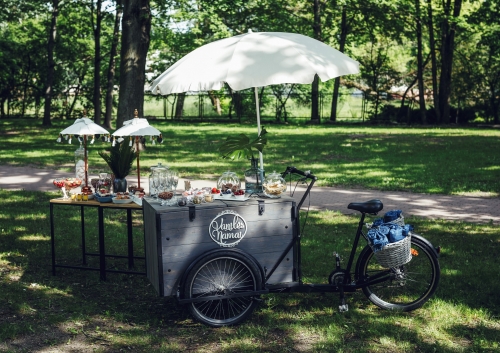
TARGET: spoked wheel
(402,288)
(222,274)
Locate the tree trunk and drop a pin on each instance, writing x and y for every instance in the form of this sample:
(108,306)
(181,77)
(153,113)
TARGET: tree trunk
(215,102)
(97,60)
(420,65)
(136,27)
(315,119)
(447,49)
(25,89)
(179,105)
(494,102)
(50,64)
(112,65)
(344,30)
(432,45)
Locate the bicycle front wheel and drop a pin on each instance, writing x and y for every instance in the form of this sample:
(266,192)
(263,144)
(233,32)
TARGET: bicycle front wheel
(222,274)
(403,288)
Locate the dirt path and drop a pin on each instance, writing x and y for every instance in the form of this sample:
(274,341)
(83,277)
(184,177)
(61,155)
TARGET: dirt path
(470,209)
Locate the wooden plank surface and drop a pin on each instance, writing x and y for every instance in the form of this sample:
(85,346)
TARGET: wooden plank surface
(183,240)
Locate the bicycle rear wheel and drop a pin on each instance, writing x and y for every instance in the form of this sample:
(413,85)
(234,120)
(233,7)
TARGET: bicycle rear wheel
(403,288)
(221,274)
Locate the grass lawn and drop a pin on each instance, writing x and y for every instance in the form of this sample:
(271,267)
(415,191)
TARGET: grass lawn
(75,312)
(455,161)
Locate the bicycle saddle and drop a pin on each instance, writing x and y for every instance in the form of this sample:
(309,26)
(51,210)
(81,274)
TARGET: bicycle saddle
(371,207)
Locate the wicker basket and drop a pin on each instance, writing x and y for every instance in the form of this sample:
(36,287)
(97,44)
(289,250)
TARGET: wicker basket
(400,221)
(395,254)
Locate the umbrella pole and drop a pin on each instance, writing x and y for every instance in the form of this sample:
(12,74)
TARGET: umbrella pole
(138,169)
(257,109)
(85,159)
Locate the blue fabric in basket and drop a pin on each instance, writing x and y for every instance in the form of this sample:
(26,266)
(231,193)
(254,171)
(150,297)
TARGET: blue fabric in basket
(378,237)
(390,216)
(395,233)
(377,222)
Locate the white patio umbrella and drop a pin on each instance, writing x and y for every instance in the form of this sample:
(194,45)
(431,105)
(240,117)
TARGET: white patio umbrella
(137,127)
(254,60)
(83,127)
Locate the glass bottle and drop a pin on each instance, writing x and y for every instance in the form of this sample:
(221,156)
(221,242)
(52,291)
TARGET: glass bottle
(80,163)
(254,177)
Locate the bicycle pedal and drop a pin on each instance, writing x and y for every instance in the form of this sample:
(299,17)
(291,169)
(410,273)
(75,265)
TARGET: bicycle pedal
(343,308)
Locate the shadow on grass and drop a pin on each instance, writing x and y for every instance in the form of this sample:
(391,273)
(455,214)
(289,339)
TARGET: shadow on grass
(74,311)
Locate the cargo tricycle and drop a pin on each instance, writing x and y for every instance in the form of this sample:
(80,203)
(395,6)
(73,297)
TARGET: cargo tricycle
(218,258)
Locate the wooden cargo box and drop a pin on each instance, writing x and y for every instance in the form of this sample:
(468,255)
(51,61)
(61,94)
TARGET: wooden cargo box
(177,236)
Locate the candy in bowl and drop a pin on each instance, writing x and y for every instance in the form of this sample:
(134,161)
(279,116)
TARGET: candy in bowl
(228,181)
(239,194)
(274,185)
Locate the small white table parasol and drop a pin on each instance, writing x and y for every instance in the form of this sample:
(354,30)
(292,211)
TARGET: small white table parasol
(83,127)
(137,127)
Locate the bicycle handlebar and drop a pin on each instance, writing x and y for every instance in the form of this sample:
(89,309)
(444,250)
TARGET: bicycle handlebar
(293,170)
(307,175)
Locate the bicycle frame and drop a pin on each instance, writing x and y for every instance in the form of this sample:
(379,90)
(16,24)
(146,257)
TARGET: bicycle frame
(299,286)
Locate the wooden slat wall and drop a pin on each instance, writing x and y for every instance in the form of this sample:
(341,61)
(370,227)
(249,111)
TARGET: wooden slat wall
(151,246)
(183,241)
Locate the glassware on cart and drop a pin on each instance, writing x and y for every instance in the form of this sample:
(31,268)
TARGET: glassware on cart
(228,183)
(274,185)
(253,178)
(164,179)
(174,180)
(153,186)
(166,197)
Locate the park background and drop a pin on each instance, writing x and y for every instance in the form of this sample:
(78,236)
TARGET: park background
(420,117)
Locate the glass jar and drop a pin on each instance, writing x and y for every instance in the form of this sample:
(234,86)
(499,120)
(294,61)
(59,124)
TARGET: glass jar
(154,183)
(228,181)
(104,184)
(274,185)
(253,178)
(80,163)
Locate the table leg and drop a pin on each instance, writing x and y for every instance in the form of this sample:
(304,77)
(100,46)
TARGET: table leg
(82,217)
(102,254)
(52,240)
(130,239)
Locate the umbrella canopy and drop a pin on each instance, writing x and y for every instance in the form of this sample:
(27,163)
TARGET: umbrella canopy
(254,60)
(137,127)
(84,127)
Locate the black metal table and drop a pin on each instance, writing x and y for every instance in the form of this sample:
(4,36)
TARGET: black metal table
(102,252)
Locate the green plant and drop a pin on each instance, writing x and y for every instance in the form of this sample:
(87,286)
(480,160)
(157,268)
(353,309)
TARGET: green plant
(241,145)
(119,159)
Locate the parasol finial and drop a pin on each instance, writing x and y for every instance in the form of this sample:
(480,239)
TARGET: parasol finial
(85,112)
(136,113)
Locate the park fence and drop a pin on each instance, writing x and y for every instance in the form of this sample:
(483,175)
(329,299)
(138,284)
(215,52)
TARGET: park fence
(241,106)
